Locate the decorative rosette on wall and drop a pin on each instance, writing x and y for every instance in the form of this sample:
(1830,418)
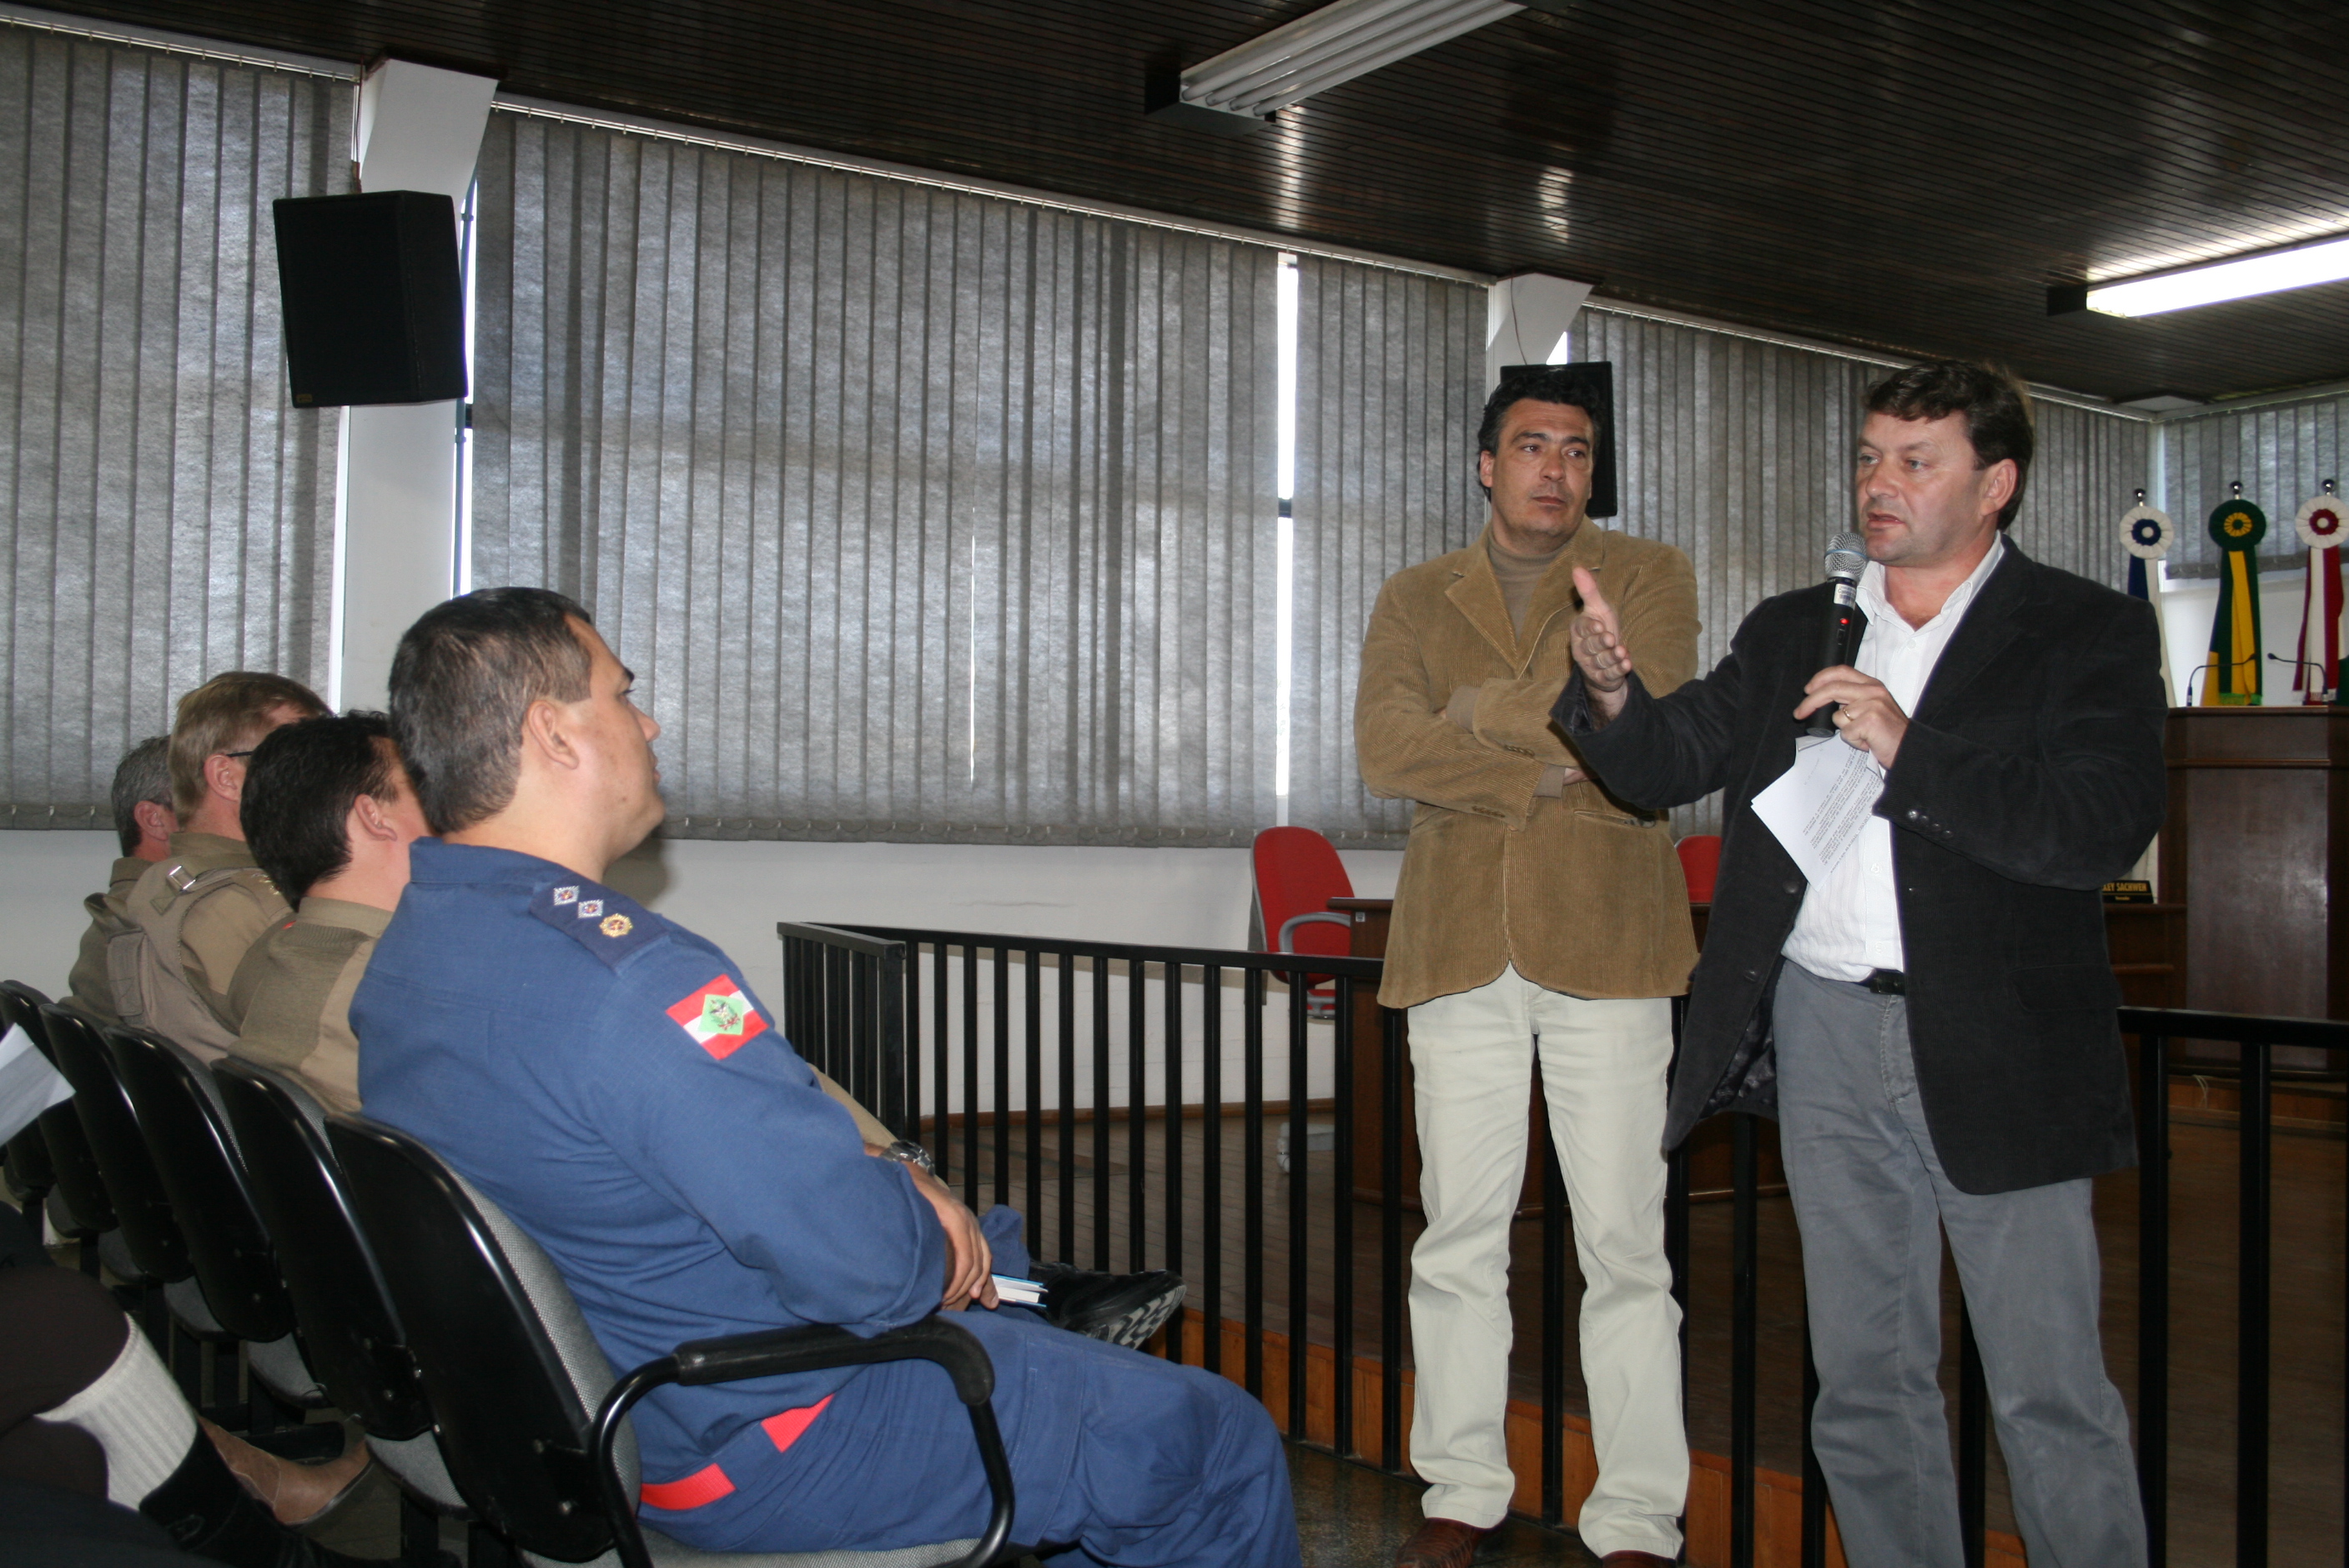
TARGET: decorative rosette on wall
(2146,534)
(2231,673)
(2320,525)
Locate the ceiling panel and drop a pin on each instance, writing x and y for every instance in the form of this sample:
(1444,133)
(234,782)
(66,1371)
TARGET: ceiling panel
(1908,177)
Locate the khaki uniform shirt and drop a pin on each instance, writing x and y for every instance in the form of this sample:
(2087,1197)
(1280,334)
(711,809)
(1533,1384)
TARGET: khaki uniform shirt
(90,987)
(293,993)
(218,926)
(1582,894)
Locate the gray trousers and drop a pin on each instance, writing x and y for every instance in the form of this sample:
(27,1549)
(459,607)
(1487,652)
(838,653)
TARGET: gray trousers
(1872,1202)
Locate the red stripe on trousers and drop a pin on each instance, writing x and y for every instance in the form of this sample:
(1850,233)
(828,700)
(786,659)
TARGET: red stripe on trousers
(703,1487)
(783,1431)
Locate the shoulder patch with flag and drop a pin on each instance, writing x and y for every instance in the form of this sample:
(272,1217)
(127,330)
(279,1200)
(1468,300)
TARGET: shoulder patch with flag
(719,1017)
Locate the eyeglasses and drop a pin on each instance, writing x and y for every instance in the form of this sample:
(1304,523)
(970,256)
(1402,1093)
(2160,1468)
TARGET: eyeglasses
(246,752)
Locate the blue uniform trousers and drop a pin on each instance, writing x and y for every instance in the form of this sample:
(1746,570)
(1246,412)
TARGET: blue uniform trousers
(1135,1461)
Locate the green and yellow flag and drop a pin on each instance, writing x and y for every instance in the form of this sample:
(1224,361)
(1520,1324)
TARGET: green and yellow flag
(2232,671)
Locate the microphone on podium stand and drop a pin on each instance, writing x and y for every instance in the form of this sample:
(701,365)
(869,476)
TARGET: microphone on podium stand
(1839,640)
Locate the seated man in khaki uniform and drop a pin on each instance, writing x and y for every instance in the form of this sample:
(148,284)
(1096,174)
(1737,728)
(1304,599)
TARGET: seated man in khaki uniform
(196,912)
(329,813)
(143,821)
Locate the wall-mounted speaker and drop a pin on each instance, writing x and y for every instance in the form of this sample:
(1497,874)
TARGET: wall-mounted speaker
(375,307)
(1596,378)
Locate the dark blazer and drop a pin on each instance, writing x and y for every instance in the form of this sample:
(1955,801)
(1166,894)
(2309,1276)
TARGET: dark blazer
(2030,775)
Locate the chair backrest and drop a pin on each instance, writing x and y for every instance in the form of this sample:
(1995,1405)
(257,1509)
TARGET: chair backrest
(80,1181)
(1700,863)
(514,1418)
(140,1204)
(351,1335)
(1298,872)
(188,1137)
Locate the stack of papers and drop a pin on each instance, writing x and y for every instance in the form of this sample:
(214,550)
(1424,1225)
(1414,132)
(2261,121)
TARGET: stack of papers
(28,1084)
(1818,806)
(1018,1291)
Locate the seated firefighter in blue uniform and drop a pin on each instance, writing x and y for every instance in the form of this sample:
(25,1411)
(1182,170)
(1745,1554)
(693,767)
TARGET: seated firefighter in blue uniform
(610,1080)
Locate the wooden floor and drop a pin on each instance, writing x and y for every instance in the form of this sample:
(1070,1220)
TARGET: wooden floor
(2306,1494)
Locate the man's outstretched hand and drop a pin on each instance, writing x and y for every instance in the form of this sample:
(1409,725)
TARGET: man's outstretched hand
(1598,651)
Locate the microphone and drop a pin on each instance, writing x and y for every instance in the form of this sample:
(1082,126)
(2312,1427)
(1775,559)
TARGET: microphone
(1839,636)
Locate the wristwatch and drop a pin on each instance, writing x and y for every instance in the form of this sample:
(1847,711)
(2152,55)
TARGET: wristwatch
(905,1151)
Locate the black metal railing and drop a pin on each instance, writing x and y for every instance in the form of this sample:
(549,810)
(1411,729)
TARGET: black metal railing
(2155,1028)
(1034,1067)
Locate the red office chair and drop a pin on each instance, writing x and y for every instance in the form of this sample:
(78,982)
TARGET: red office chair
(1297,873)
(1700,863)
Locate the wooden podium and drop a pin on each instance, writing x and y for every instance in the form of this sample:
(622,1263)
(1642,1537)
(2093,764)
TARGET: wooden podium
(2256,837)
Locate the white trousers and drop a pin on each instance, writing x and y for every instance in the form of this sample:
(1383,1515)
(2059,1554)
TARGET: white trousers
(1603,1070)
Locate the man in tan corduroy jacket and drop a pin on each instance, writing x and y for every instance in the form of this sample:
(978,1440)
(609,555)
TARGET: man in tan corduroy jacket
(1537,919)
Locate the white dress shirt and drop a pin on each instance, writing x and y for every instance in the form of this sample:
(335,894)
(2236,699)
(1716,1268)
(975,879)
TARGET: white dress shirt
(1851,923)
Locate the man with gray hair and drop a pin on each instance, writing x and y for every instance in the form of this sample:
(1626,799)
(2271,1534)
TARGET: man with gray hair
(200,909)
(143,823)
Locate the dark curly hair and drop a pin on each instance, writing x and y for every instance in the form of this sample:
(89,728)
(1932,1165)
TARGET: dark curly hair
(1997,411)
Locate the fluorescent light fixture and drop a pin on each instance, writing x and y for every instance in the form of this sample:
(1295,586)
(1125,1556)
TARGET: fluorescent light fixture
(2209,283)
(1242,88)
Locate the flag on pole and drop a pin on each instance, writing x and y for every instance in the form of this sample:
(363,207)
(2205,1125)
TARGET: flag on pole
(2318,674)
(2232,672)
(2146,534)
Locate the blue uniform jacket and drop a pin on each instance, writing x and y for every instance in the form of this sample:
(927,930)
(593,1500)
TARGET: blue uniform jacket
(609,1080)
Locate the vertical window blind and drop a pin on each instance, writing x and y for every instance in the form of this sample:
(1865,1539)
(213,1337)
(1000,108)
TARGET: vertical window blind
(170,514)
(1389,387)
(925,514)
(2282,453)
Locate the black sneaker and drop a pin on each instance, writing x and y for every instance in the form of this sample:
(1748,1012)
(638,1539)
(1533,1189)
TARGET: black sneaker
(1124,1309)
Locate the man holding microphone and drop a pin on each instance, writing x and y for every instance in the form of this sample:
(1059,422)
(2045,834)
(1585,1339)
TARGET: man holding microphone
(1932,1021)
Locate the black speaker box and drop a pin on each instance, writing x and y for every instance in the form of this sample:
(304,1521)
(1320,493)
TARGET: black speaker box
(375,308)
(1596,376)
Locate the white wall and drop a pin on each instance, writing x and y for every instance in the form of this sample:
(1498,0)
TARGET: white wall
(2186,611)
(733,893)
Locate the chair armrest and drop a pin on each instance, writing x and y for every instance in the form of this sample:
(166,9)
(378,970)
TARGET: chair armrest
(772,1352)
(1294,920)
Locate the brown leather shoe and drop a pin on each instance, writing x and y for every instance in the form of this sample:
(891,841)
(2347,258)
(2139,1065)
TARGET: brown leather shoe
(1636,1560)
(1441,1544)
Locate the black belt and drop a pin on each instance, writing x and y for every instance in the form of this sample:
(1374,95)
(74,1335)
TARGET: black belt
(1886,983)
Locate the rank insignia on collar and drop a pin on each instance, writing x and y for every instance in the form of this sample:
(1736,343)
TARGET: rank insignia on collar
(606,924)
(719,1017)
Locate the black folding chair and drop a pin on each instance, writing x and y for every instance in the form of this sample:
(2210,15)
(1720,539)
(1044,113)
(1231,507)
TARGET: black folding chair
(157,1247)
(179,1116)
(534,1425)
(349,1330)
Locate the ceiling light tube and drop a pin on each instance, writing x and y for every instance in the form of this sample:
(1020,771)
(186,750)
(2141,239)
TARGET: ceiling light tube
(1369,54)
(1330,26)
(1313,60)
(1319,51)
(2210,283)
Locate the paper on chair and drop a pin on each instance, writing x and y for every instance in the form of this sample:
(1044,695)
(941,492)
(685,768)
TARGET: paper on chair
(1818,806)
(28,1085)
